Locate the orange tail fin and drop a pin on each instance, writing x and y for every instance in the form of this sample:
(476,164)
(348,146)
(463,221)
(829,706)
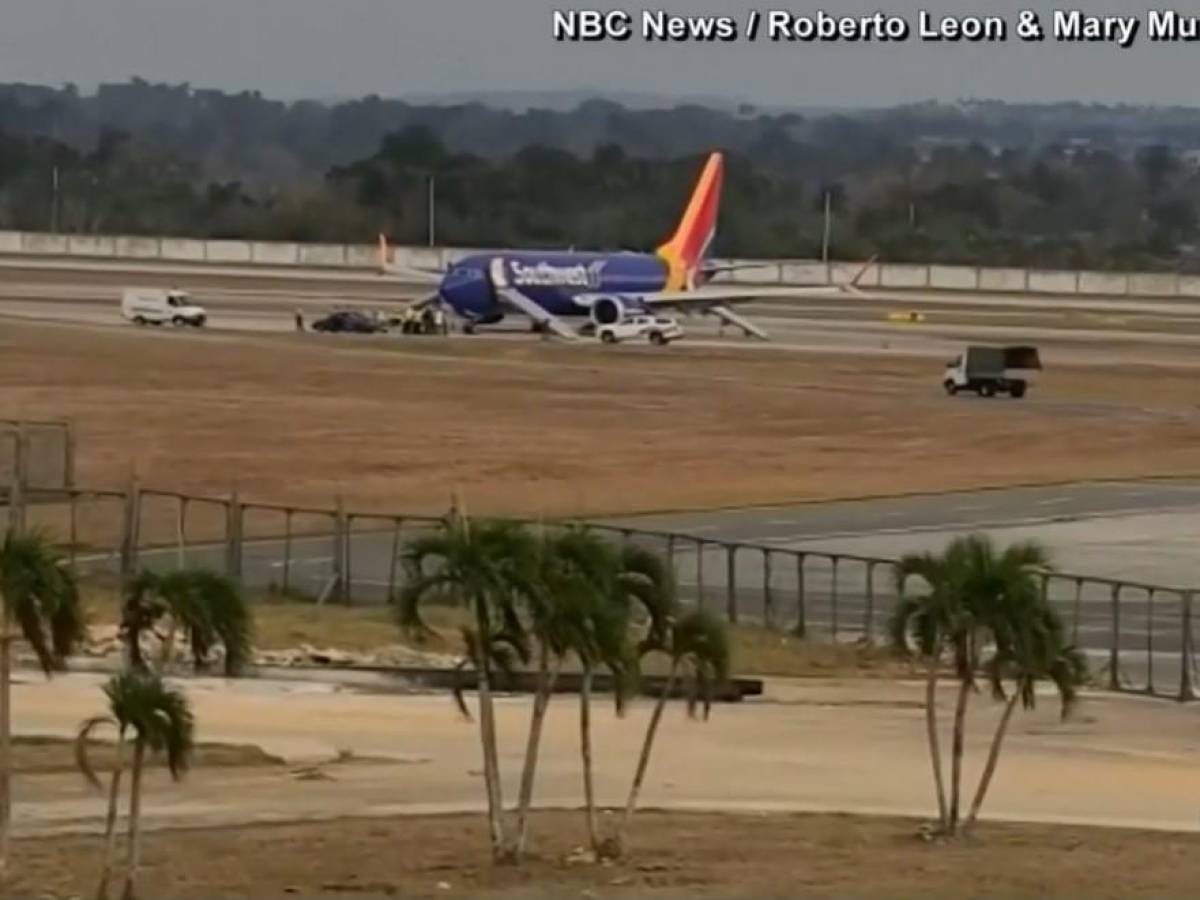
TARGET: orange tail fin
(684,253)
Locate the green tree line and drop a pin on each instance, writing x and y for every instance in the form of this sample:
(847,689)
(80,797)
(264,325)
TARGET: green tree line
(1058,186)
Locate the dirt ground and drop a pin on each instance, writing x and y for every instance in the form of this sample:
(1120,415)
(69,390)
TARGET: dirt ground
(47,755)
(672,855)
(530,428)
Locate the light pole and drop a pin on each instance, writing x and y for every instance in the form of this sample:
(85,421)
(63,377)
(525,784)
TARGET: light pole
(54,201)
(432,212)
(828,228)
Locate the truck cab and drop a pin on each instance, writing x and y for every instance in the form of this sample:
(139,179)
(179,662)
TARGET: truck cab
(993,370)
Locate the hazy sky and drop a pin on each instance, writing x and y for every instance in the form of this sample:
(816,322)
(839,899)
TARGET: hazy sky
(340,48)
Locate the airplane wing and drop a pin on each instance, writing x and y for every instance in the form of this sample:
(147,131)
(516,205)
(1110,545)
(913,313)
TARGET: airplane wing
(516,299)
(711,269)
(712,300)
(717,299)
(702,297)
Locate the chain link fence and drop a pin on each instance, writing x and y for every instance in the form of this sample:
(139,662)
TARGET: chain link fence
(1138,637)
(36,456)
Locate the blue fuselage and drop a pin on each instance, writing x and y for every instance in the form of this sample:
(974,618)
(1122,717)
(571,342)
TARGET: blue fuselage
(554,280)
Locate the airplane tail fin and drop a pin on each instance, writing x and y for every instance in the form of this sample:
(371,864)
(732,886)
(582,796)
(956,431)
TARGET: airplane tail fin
(684,253)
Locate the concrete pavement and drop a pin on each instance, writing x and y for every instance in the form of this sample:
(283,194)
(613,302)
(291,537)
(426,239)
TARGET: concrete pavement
(950,511)
(1071,331)
(853,746)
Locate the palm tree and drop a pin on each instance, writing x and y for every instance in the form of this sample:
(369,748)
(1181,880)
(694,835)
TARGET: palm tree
(557,613)
(647,582)
(161,721)
(971,591)
(605,644)
(929,619)
(698,648)
(208,608)
(1034,648)
(40,594)
(616,588)
(587,590)
(488,567)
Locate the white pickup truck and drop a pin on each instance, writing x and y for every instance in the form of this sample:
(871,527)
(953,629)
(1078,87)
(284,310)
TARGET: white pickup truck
(660,330)
(156,306)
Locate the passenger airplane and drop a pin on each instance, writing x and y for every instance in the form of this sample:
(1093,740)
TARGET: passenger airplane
(551,286)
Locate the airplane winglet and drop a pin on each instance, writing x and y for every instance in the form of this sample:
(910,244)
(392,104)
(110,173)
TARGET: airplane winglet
(851,286)
(863,271)
(385,253)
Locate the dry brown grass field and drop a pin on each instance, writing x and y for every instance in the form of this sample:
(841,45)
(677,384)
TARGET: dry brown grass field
(526,427)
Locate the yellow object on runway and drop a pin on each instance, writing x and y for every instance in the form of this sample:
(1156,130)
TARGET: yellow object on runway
(911,316)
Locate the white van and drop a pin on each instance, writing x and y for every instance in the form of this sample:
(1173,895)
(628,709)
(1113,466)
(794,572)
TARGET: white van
(156,306)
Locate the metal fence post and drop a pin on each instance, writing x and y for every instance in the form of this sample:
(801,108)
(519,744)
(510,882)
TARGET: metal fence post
(671,554)
(287,550)
(731,609)
(869,618)
(181,531)
(1186,688)
(130,536)
(1150,641)
(768,599)
(1078,611)
(699,573)
(16,492)
(391,594)
(69,456)
(348,556)
(339,549)
(73,516)
(1114,683)
(801,629)
(233,537)
(833,596)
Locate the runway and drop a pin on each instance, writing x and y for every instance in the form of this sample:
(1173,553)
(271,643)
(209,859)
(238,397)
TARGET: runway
(1069,331)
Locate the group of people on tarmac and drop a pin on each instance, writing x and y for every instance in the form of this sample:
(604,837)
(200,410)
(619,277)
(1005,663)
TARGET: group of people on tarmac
(431,319)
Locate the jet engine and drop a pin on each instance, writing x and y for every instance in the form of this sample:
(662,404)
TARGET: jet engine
(607,311)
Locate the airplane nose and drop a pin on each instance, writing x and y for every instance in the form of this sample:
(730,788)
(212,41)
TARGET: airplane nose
(467,290)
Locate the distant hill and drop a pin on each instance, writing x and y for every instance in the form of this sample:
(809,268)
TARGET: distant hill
(567,100)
